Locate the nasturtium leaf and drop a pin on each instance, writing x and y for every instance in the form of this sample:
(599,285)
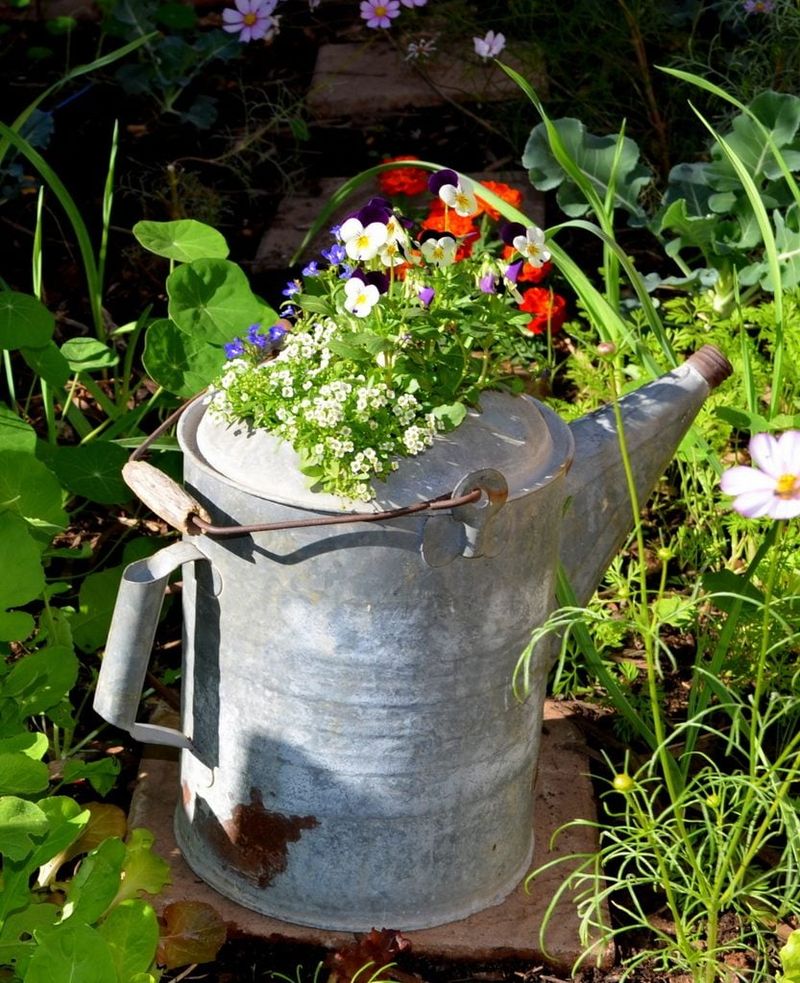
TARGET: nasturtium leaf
(92,470)
(22,823)
(48,363)
(15,433)
(21,775)
(143,870)
(85,354)
(24,321)
(95,885)
(96,600)
(182,363)
(184,240)
(212,300)
(21,574)
(28,488)
(192,932)
(131,931)
(450,414)
(76,953)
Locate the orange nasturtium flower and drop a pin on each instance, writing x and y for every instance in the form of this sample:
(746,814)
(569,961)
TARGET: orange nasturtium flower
(510,195)
(549,310)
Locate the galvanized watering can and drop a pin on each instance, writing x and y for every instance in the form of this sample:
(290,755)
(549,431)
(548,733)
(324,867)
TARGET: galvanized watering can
(352,753)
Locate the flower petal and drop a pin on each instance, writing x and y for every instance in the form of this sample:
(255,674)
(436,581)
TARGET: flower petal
(232,17)
(754,504)
(788,452)
(785,508)
(741,479)
(763,450)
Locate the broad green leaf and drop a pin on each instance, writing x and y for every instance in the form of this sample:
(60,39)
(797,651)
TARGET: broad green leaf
(92,470)
(15,625)
(143,870)
(41,679)
(184,240)
(193,932)
(96,600)
(17,941)
(28,488)
(21,573)
(211,299)
(21,824)
(75,953)
(690,183)
(24,321)
(101,774)
(48,363)
(105,820)
(34,744)
(65,819)
(131,931)
(182,363)
(85,354)
(15,433)
(95,885)
(690,231)
(451,414)
(21,775)
(595,157)
(790,958)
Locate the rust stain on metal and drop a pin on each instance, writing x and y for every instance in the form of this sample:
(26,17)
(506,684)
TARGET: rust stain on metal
(255,841)
(186,794)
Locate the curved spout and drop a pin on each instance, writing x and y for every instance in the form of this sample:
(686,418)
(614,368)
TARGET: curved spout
(655,418)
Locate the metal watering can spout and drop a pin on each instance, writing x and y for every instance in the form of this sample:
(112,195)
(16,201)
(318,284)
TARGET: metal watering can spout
(598,514)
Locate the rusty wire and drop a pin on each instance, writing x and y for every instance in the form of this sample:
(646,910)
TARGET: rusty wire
(200,525)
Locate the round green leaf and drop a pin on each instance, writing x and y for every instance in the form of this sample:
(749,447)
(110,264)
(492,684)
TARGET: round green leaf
(131,931)
(28,488)
(182,363)
(212,300)
(84,354)
(93,470)
(21,573)
(75,952)
(48,363)
(24,321)
(184,240)
(15,433)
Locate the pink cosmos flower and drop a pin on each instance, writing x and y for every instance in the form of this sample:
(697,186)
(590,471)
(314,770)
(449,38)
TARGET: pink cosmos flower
(379,13)
(489,46)
(413,3)
(772,487)
(251,20)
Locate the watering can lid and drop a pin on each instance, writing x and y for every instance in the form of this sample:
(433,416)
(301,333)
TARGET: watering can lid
(515,435)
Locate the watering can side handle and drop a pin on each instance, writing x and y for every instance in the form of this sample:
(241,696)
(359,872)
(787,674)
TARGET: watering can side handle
(130,641)
(163,496)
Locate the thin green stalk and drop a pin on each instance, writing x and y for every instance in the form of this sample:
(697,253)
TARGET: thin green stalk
(12,392)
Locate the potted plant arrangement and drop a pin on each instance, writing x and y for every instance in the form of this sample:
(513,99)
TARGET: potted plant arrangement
(388,338)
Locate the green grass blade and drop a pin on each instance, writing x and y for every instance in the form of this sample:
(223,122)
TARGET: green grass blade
(74,73)
(73,214)
(770,250)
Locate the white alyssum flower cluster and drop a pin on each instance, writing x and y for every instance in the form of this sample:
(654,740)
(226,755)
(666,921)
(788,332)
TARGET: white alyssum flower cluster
(347,425)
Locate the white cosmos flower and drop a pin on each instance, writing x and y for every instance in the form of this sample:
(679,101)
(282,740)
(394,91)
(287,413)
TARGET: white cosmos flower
(362,243)
(459,197)
(440,252)
(531,246)
(772,487)
(489,46)
(360,297)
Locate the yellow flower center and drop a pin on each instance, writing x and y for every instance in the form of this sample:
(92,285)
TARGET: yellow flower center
(380,10)
(787,486)
(249,19)
(362,242)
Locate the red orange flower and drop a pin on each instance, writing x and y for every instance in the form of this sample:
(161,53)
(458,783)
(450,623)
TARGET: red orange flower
(510,195)
(403,180)
(549,310)
(457,225)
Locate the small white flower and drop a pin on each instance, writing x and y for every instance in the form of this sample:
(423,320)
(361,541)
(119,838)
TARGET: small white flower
(360,297)
(362,243)
(440,252)
(531,246)
(423,48)
(459,197)
(489,46)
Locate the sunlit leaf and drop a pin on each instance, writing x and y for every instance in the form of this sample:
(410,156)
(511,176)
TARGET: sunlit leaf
(182,363)
(131,931)
(184,240)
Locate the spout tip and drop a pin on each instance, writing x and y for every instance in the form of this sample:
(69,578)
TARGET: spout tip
(711,364)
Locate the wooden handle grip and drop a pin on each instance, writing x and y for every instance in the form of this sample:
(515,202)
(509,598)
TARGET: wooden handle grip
(163,496)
